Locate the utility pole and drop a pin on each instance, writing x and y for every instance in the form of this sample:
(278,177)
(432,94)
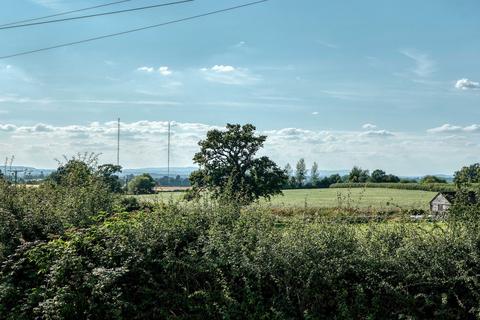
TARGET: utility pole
(168,154)
(118,142)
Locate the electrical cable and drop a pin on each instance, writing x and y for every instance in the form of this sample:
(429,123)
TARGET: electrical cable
(132,30)
(94,15)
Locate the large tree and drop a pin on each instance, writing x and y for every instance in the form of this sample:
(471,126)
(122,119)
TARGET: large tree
(229,170)
(358,175)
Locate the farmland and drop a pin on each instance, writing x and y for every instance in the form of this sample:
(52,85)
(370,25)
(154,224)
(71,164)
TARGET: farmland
(375,198)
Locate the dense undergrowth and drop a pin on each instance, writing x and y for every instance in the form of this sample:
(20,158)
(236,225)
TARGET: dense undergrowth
(80,253)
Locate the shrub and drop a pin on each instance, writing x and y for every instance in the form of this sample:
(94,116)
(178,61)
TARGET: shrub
(211,262)
(74,197)
(142,184)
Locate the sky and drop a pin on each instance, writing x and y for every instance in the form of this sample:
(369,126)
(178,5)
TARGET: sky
(379,84)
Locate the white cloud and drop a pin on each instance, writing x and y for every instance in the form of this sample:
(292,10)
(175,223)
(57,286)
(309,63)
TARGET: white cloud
(144,144)
(448,128)
(146,69)
(240,44)
(377,134)
(7,127)
(466,84)
(226,74)
(164,71)
(369,126)
(425,66)
(223,69)
(315,113)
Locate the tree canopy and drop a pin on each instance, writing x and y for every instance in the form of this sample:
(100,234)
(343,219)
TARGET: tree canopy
(301,172)
(468,174)
(142,184)
(230,170)
(432,179)
(358,175)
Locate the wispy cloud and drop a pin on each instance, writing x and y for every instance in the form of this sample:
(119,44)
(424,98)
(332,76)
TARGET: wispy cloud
(50,4)
(11,72)
(448,128)
(369,126)
(163,70)
(327,44)
(23,100)
(27,100)
(424,65)
(377,134)
(230,75)
(466,84)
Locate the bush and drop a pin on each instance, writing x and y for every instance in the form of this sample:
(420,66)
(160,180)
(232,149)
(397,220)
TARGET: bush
(210,262)
(142,184)
(74,198)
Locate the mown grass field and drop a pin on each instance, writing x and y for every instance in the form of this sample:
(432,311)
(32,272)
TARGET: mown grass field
(375,198)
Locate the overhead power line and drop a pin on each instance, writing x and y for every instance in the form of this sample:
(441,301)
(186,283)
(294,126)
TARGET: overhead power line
(132,30)
(94,15)
(65,13)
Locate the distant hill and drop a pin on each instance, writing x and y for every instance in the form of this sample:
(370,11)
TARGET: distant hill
(327,173)
(160,172)
(22,170)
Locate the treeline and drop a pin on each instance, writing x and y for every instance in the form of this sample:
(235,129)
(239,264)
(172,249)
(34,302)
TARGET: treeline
(303,178)
(436,187)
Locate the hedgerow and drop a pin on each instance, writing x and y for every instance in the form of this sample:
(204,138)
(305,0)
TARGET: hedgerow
(214,262)
(436,187)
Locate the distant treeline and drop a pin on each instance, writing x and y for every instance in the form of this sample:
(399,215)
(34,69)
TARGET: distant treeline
(300,178)
(436,187)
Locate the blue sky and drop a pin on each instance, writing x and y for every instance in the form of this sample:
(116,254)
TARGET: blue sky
(384,84)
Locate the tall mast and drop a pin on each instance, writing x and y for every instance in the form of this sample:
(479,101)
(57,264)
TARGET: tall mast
(118,142)
(168,153)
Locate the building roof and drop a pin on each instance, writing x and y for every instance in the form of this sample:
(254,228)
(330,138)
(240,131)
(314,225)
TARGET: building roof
(451,196)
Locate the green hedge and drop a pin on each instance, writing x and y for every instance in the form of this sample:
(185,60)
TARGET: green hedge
(437,187)
(207,262)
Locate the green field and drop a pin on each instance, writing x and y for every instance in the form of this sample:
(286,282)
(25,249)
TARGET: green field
(328,198)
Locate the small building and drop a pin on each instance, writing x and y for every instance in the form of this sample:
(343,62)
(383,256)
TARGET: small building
(442,202)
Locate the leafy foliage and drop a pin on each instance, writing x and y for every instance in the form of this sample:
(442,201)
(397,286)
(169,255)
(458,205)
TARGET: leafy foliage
(314,175)
(379,176)
(142,184)
(74,196)
(229,169)
(358,175)
(467,175)
(432,179)
(216,262)
(301,172)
